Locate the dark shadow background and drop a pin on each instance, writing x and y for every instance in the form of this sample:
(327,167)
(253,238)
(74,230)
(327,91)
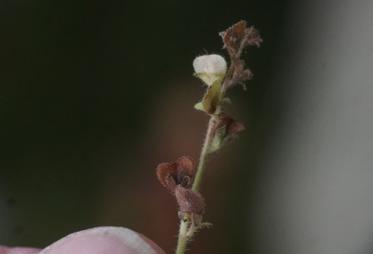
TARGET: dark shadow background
(93,94)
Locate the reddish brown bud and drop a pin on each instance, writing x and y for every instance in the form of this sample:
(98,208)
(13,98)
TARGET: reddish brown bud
(232,127)
(225,129)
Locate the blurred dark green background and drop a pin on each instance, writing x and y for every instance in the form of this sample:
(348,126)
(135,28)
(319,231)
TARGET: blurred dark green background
(93,94)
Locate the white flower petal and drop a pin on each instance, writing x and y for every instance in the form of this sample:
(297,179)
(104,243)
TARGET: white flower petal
(210,64)
(210,68)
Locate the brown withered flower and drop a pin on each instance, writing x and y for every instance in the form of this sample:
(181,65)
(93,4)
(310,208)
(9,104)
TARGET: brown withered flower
(236,38)
(181,172)
(239,36)
(178,178)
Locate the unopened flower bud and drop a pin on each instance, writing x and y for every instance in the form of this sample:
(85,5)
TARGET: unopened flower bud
(210,68)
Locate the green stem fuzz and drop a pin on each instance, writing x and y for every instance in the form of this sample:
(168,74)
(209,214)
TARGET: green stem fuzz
(184,225)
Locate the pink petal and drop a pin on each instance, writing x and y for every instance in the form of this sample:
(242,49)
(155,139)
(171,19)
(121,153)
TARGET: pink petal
(104,240)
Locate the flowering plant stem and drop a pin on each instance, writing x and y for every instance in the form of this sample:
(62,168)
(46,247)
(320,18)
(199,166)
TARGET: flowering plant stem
(183,238)
(180,176)
(204,151)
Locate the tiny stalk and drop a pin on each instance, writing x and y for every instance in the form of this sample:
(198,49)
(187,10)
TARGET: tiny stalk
(203,156)
(180,177)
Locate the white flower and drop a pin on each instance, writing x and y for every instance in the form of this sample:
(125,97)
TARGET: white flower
(210,68)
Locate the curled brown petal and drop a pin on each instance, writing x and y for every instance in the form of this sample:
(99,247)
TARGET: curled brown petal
(181,172)
(165,171)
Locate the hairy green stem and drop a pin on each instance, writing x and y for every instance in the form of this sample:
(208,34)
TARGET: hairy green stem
(183,239)
(181,245)
(203,156)
(184,225)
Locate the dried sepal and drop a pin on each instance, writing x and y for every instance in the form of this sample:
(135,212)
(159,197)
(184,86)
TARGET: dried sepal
(181,172)
(191,209)
(189,201)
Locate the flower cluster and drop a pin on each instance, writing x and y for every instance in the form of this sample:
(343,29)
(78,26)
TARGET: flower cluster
(180,177)
(212,70)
